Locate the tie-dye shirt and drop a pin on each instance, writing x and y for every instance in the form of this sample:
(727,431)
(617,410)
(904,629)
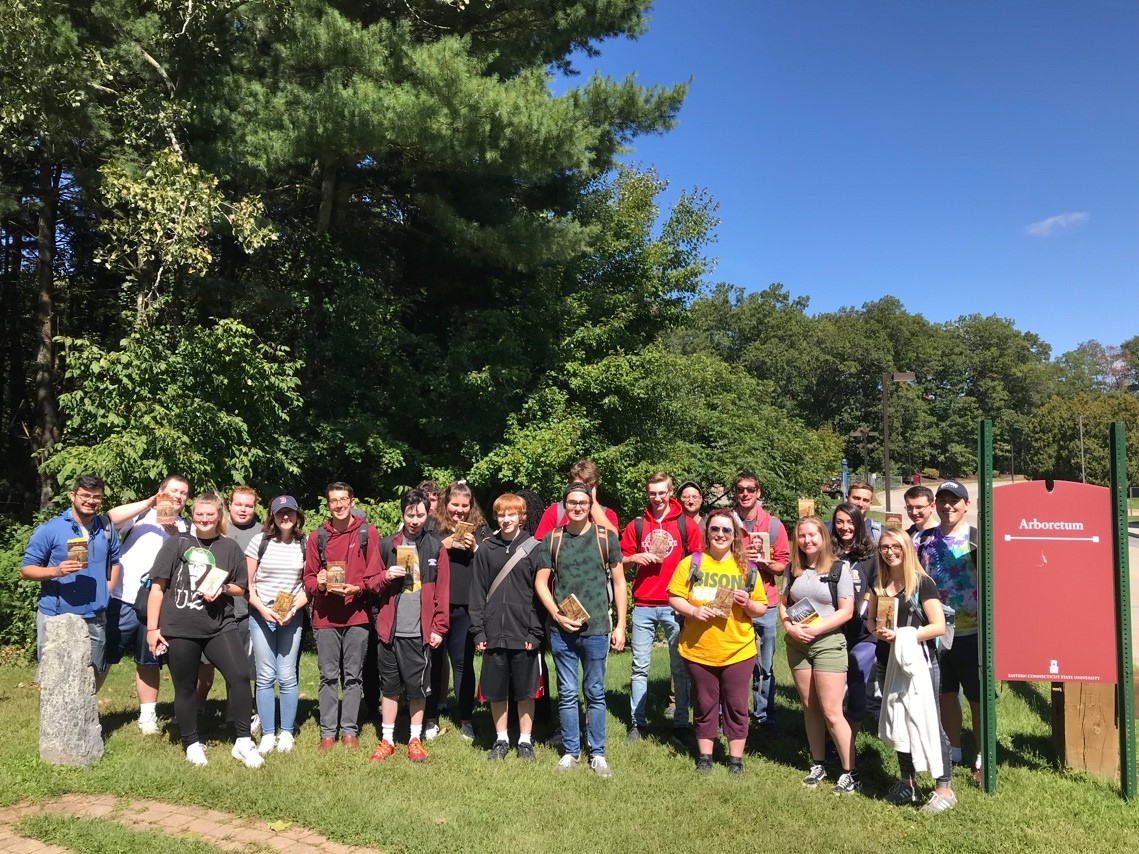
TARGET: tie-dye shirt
(949,561)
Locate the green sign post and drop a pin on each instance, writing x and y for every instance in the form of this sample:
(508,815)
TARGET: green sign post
(1125,691)
(988,723)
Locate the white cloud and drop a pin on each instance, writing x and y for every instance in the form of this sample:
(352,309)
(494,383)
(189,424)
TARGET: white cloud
(1048,227)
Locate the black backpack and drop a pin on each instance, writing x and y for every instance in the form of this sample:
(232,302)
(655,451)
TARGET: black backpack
(681,524)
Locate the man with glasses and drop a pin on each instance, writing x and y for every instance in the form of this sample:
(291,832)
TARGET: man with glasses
(75,557)
(652,546)
(755,520)
(949,555)
(919,507)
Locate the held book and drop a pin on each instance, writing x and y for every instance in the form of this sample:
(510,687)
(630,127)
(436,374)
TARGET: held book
(894,521)
(806,507)
(334,575)
(887,615)
(722,603)
(211,583)
(282,604)
(571,607)
(762,541)
(803,612)
(405,556)
(461,530)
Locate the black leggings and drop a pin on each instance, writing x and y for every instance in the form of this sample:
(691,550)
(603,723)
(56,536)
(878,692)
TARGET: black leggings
(461,650)
(226,653)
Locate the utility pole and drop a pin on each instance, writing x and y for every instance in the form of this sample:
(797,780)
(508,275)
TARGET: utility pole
(887,378)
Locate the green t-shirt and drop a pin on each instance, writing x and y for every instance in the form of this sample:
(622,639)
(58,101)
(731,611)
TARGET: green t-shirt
(580,571)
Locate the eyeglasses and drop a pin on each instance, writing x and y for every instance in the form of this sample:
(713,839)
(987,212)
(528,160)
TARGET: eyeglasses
(584,503)
(719,529)
(748,489)
(886,549)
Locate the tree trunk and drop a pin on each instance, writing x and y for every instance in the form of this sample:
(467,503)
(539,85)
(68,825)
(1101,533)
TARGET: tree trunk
(46,430)
(327,167)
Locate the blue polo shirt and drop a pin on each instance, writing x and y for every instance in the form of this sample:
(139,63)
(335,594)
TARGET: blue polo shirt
(84,592)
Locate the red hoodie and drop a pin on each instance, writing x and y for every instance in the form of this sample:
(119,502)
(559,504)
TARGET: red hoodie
(650,587)
(331,610)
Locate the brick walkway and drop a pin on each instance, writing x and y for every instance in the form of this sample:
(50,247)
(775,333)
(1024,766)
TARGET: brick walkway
(226,831)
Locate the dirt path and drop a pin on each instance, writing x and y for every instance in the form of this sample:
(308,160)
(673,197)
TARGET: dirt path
(224,830)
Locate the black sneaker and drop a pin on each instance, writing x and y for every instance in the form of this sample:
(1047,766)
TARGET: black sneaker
(847,784)
(735,767)
(704,763)
(498,751)
(525,751)
(901,794)
(816,775)
(683,740)
(467,731)
(635,733)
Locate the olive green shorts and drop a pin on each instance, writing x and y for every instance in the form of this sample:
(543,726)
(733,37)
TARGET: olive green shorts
(827,654)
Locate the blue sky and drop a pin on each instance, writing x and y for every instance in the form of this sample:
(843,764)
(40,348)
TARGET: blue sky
(961,156)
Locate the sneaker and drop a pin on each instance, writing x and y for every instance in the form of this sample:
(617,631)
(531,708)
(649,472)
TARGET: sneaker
(525,751)
(670,712)
(149,726)
(383,750)
(431,731)
(939,803)
(467,731)
(683,740)
(415,751)
(245,751)
(815,776)
(196,754)
(735,767)
(600,767)
(901,794)
(635,733)
(555,741)
(268,744)
(847,784)
(255,723)
(977,770)
(498,751)
(704,763)
(285,742)
(567,763)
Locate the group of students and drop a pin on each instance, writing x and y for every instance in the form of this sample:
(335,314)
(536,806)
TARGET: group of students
(448,583)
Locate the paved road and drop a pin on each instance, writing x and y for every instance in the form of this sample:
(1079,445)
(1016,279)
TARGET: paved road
(897,504)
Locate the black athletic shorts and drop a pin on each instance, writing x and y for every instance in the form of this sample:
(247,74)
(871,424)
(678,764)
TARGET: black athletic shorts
(504,669)
(404,665)
(961,668)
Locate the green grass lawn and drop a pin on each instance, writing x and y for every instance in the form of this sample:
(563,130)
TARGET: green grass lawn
(654,802)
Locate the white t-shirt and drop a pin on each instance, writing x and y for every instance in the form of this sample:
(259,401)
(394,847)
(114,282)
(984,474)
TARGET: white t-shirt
(143,540)
(279,570)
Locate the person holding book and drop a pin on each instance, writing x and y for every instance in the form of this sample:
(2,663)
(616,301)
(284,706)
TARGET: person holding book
(342,559)
(576,569)
(414,612)
(275,560)
(506,625)
(194,580)
(852,542)
(817,601)
(459,522)
(717,593)
(906,617)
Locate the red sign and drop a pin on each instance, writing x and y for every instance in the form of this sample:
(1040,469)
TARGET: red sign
(1053,583)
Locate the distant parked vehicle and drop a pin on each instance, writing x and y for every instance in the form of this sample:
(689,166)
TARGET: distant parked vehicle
(833,488)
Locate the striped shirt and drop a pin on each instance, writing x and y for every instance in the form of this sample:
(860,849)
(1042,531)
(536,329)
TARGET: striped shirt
(280,568)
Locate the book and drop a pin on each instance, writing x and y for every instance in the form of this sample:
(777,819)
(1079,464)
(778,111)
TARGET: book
(77,550)
(762,541)
(334,575)
(461,531)
(212,582)
(282,604)
(660,543)
(406,556)
(803,612)
(806,507)
(894,521)
(723,601)
(572,608)
(886,617)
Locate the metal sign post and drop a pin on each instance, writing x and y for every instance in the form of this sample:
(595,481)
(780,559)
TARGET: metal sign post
(1124,685)
(988,723)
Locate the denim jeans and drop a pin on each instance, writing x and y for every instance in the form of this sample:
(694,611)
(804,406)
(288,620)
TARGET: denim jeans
(645,621)
(275,651)
(569,651)
(763,674)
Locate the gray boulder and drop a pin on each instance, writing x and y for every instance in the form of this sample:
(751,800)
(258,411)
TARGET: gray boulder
(69,718)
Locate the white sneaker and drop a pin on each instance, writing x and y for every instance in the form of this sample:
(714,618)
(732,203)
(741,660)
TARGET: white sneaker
(255,724)
(268,744)
(430,731)
(600,767)
(196,754)
(246,751)
(149,726)
(567,763)
(285,742)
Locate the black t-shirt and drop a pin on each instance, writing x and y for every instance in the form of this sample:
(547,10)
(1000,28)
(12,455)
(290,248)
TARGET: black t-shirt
(182,561)
(864,574)
(911,613)
(462,561)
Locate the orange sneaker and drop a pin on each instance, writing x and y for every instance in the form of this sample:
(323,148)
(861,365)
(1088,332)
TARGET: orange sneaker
(415,751)
(383,751)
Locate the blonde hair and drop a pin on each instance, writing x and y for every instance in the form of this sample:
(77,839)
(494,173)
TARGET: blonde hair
(912,571)
(211,497)
(739,549)
(799,561)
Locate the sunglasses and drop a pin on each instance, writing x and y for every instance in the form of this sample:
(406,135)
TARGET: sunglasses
(748,489)
(719,529)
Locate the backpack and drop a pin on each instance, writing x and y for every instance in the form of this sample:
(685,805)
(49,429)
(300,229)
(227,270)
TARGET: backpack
(322,544)
(694,573)
(681,524)
(602,549)
(264,545)
(832,579)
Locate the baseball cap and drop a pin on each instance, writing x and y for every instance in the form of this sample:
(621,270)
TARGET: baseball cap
(284,502)
(954,488)
(687,484)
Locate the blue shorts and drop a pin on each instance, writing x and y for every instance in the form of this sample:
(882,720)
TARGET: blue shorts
(96,629)
(125,633)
